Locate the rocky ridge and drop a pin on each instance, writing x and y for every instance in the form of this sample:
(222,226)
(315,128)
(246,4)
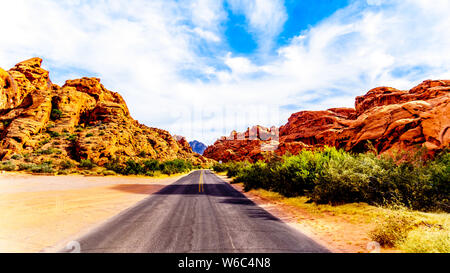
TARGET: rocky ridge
(390,119)
(40,120)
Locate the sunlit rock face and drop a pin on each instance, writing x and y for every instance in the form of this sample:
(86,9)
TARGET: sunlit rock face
(82,120)
(391,120)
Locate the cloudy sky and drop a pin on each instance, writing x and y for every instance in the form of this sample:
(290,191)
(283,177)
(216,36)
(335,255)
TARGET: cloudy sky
(201,68)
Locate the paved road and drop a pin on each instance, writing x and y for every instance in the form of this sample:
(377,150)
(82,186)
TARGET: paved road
(198,213)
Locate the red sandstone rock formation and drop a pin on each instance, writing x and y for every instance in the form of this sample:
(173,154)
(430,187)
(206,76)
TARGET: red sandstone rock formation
(80,120)
(391,119)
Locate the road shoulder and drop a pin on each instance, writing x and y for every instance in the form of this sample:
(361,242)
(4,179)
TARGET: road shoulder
(41,212)
(335,232)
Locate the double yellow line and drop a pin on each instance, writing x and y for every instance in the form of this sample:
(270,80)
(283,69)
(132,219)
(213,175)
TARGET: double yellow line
(200,183)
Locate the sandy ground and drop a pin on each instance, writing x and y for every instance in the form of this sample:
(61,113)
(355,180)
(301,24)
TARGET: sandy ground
(41,212)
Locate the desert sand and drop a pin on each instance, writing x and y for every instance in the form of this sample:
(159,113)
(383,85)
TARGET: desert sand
(43,213)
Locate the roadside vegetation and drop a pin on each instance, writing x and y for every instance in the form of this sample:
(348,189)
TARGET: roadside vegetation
(147,167)
(413,192)
(150,167)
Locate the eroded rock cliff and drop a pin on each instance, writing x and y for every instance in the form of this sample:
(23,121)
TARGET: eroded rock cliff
(390,119)
(80,120)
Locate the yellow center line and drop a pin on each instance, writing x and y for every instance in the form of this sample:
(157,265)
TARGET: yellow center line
(200,182)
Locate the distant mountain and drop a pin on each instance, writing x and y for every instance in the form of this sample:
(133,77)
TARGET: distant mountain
(197,146)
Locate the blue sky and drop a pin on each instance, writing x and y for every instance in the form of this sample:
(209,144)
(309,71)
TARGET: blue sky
(201,68)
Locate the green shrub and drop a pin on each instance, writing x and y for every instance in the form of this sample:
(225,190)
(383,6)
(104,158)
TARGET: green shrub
(231,168)
(133,167)
(337,177)
(44,141)
(66,164)
(16,156)
(108,172)
(296,174)
(27,167)
(114,165)
(256,176)
(89,134)
(219,167)
(86,164)
(439,171)
(344,178)
(175,166)
(148,167)
(42,168)
(7,166)
(53,133)
(151,165)
(55,114)
(72,137)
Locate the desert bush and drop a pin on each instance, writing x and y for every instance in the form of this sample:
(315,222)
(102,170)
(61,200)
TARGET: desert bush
(426,240)
(393,229)
(133,167)
(66,164)
(151,165)
(175,166)
(114,165)
(55,114)
(72,137)
(219,167)
(344,178)
(26,167)
(53,133)
(439,171)
(256,176)
(44,141)
(296,174)
(16,156)
(336,177)
(108,172)
(7,166)
(45,167)
(86,164)
(89,134)
(233,168)
(48,151)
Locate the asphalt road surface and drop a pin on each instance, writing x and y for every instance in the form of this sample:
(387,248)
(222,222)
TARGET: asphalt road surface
(198,213)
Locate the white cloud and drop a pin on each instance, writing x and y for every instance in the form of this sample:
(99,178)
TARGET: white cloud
(143,49)
(265,17)
(207,35)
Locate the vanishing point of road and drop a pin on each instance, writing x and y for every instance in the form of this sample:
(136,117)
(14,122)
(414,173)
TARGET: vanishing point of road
(198,213)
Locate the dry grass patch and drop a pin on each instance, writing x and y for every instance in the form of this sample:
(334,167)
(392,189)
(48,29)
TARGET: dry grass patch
(395,228)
